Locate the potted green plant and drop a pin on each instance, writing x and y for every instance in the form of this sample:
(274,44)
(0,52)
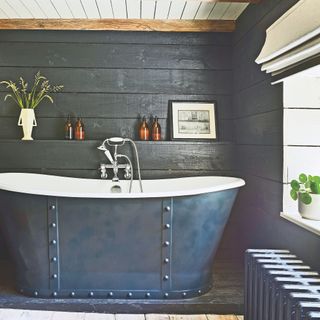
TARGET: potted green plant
(307,191)
(28,100)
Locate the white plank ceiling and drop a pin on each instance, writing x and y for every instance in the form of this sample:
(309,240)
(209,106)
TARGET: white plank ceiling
(120,9)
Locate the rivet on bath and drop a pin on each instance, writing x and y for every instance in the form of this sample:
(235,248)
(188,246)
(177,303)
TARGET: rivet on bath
(35,293)
(52,207)
(91,294)
(184,294)
(130,294)
(54,242)
(167,226)
(72,294)
(54,276)
(166,260)
(166,277)
(199,291)
(167,243)
(148,295)
(53,225)
(54,294)
(54,259)
(166,295)
(167,208)
(110,294)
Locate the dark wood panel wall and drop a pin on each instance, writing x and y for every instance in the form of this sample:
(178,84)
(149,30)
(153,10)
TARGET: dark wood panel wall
(257,109)
(111,79)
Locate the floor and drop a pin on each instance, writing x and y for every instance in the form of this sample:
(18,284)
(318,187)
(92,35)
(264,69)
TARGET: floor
(13,314)
(226,297)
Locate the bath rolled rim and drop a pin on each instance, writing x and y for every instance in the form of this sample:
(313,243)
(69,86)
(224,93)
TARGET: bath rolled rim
(62,186)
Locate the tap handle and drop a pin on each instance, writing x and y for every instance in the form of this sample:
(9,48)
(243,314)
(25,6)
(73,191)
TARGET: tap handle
(127,172)
(103,171)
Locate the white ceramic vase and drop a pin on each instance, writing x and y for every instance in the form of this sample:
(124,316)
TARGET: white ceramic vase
(310,211)
(27,120)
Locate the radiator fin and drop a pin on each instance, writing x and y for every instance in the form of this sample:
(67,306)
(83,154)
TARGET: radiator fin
(279,286)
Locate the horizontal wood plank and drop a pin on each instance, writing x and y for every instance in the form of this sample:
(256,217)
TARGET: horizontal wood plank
(261,161)
(221,317)
(129,317)
(261,129)
(188,317)
(112,105)
(259,193)
(130,80)
(262,97)
(90,55)
(54,315)
(231,1)
(98,316)
(157,317)
(117,37)
(84,155)
(120,25)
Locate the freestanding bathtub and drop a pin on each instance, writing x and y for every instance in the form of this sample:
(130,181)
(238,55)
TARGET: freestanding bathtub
(72,237)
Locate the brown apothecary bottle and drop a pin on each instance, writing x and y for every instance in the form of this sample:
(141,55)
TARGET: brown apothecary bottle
(156,130)
(144,132)
(79,130)
(68,129)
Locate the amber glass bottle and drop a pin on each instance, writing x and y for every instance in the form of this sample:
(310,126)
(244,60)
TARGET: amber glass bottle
(68,129)
(144,132)
(156,130)
(79,130)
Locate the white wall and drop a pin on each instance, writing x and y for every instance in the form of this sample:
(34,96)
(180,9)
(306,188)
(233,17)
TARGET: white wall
(301,132)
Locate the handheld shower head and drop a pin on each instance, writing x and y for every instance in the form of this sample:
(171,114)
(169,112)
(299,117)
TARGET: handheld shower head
(107,153)
(115,141)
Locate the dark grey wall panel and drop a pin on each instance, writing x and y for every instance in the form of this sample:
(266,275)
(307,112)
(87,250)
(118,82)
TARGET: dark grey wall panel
(114,105)
(130,38)
(130,80)
(260,160)
(261,129)
(84,155)
(262,97)
(116,56)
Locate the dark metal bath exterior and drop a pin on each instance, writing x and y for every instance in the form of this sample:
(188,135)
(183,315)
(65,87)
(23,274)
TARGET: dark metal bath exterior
(114,248)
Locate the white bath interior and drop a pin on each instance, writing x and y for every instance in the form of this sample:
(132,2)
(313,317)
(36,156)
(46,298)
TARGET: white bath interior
(49,185)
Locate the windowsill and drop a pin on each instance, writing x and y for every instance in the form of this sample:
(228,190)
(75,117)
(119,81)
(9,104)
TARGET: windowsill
(311,225)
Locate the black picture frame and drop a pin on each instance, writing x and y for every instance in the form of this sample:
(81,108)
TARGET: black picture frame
(187,117)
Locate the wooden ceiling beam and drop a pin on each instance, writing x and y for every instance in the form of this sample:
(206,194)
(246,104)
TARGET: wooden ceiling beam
(119,25)
(230,1)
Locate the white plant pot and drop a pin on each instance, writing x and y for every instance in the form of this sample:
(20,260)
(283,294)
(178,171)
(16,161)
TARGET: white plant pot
(27,120)
(310,211)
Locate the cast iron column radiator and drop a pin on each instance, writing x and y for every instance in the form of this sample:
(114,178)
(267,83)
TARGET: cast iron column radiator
(279,286)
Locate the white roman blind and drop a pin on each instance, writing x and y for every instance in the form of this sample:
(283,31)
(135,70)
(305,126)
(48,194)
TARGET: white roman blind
(293,38)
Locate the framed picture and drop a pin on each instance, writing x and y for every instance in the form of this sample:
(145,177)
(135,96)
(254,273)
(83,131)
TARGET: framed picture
(194,120)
